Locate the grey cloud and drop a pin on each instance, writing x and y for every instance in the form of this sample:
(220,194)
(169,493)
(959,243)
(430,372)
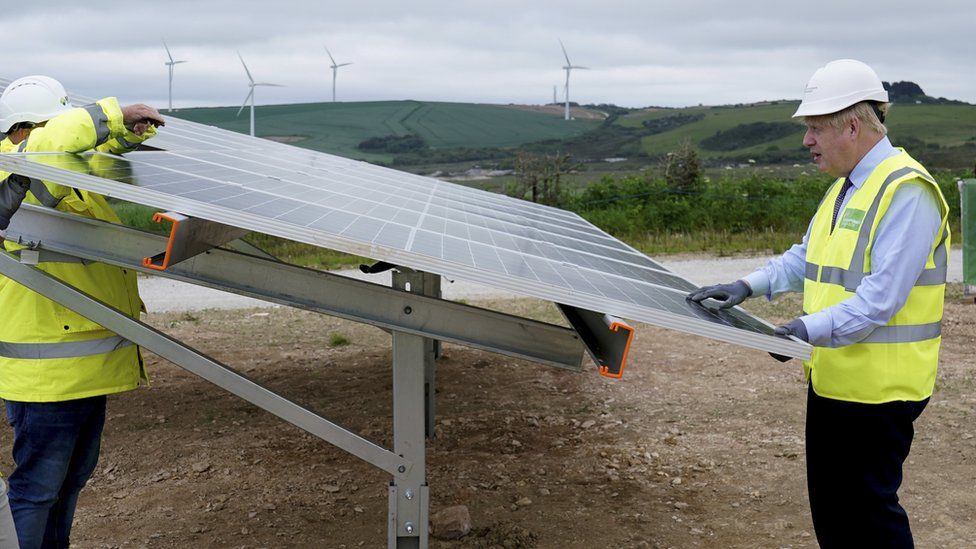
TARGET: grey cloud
(642,53)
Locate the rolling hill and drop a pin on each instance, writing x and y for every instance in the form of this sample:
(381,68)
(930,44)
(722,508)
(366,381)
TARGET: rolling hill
(339,128)
(941,135)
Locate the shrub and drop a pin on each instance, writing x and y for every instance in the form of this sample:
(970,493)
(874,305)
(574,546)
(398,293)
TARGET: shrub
(748,135)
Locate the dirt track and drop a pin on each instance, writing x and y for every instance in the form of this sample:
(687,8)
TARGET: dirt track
(699,445)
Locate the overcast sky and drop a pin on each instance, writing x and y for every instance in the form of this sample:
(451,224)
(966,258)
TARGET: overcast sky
(641,53)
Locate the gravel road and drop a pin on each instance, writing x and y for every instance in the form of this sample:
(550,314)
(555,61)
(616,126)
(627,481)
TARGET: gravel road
(164,295)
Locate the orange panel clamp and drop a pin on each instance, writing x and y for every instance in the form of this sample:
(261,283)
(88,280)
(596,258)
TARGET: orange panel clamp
(160,262)
(616,371)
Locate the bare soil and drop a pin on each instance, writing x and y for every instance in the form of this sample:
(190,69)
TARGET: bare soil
(700,445)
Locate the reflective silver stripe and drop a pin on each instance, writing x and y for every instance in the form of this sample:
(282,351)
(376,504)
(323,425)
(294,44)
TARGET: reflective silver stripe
(904,334)
(811,270)
(71,349)
(125,144)
(842,277)
(101,123)
(38,188)
(851,278)
(43,194)
(936,276)
(864,236)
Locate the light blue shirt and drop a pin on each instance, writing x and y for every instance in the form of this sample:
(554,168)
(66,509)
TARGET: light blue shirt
(901,246)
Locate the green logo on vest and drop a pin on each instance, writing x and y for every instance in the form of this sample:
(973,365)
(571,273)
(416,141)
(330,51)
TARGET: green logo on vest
(851,219)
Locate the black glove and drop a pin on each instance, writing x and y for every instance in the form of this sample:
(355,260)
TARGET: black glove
(12,193)
(794,328)
(727,295)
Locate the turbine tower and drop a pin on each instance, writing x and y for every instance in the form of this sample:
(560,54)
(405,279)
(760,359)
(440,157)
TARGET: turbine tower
(555,100)
(250,94)
(169,65)
(335,70)
(568,68)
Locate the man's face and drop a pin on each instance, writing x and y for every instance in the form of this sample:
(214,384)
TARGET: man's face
(833,148)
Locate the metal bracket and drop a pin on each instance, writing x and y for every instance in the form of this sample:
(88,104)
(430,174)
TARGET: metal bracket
(607,338)
(188,237)
(308,289)
(195,362)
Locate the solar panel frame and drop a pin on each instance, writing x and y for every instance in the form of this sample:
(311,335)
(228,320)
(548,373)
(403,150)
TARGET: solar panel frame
(560,233)
(526,270)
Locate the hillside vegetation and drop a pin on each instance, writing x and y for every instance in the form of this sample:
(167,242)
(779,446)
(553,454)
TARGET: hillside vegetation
(939,132)
(339,128)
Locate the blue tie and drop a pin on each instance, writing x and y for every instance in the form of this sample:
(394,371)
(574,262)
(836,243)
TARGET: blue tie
(840,200)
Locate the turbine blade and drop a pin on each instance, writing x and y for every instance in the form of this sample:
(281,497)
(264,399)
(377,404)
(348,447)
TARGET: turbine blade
(249,77)
(246,99)
(167,51)
(269,84)
(578,67)
(330,54)
(178,62)
(566,55)
(343,64)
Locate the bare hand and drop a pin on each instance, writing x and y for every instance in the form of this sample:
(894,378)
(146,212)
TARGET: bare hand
(139,117)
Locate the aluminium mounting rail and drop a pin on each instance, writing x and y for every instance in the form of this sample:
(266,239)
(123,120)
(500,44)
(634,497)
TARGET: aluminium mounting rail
(414,318)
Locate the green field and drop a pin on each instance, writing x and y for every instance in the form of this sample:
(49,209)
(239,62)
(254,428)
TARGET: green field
(937,126)
(940,135)
(338,128)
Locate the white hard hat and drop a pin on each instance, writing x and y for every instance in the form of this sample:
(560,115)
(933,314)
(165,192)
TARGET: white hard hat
(838,85)
(32,99)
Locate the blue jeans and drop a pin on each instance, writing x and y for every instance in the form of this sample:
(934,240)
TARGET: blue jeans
(56,447)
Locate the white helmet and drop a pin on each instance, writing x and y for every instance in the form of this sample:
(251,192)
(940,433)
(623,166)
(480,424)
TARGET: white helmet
(32,99)
(838,85)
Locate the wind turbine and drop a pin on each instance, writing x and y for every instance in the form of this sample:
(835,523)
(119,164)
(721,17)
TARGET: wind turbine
(335,70)
(250,94)
(169,65)
(568,68)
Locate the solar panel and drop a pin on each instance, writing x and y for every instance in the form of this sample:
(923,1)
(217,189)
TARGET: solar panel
(406,219)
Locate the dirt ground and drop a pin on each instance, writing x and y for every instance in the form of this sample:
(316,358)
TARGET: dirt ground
(700,445)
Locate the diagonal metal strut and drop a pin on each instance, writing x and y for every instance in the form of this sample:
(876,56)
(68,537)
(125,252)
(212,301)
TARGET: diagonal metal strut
(195,362)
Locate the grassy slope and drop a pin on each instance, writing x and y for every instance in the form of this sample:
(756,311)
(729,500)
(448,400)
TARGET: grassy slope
(338,127)
(945,125)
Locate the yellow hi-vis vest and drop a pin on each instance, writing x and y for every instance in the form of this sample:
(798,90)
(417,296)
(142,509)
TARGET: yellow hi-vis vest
(49,353)
(897,361)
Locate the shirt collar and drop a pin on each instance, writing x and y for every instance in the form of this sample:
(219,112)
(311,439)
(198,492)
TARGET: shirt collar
(881,151)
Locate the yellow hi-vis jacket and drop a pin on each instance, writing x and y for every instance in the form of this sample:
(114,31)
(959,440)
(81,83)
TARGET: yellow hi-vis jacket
(897,361)
(49,353)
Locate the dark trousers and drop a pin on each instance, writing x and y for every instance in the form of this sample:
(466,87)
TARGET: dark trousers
(56,447)
(855,454)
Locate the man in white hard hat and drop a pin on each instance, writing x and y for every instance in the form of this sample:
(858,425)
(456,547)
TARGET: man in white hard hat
(56,367)
(872,269)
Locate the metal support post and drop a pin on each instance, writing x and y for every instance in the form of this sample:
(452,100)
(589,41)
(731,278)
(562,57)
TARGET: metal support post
(409,495)
(432,288)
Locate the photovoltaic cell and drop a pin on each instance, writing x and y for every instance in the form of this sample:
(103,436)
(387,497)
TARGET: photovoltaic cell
(403,218)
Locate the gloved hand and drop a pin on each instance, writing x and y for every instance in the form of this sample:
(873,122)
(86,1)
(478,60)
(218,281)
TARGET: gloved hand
(728,295)
(794,327)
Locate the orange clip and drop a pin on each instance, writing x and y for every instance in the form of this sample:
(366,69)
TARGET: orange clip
(160,262)
(616,326)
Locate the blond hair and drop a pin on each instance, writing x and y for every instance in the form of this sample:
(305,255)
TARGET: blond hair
(862,111)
